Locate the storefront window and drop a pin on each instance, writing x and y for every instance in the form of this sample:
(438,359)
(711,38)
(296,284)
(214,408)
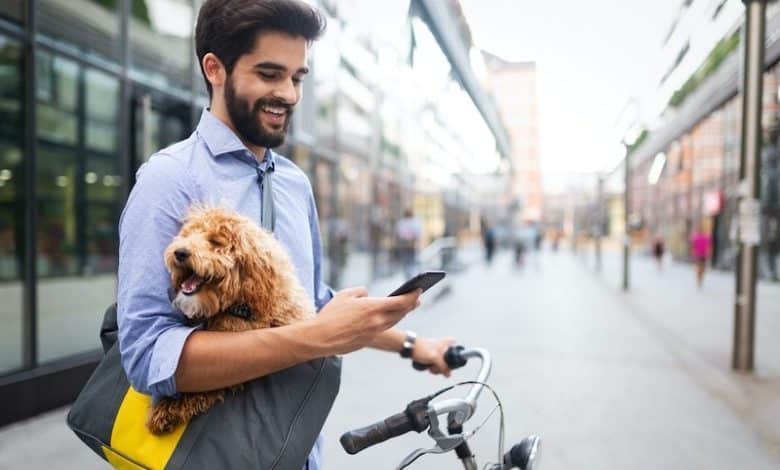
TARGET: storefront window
(11,204)
(77,184)
(87,26)
(12,10)
(161,44)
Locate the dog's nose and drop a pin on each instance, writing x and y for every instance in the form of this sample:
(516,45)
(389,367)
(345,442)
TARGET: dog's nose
(181,254)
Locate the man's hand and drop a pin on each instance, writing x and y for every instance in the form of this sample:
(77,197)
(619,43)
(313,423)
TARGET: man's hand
(431,351)
(351,320)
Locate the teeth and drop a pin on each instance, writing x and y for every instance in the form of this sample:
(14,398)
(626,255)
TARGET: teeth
(278,111)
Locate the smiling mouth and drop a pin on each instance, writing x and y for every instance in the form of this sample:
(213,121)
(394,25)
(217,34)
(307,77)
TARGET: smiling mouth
(274,110)
(191,284)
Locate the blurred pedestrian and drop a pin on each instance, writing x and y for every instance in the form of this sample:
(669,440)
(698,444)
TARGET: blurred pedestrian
(658,251)
(556,239)
(538,238)
(408,231)
(338,249)
(519,245)
(524,240)
(489,241)
(701,245)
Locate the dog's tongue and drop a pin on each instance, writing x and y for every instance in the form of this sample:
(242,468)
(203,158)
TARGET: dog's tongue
(191,284)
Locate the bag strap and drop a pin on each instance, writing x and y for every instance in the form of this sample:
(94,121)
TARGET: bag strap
(109,329)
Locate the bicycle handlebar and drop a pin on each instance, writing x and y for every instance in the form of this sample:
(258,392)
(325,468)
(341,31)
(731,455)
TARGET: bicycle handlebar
(356,440)
(415,416)
(452,357)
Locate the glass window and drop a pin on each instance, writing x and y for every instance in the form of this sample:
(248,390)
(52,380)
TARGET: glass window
(87,26)
(12,10)
(11,204)
(77,184)
(158,121)
(161,44)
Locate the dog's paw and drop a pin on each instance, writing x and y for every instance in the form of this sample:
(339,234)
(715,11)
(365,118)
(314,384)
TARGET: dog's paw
(162,422)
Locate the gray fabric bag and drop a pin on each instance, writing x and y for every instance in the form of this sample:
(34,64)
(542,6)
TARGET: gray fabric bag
(272,423)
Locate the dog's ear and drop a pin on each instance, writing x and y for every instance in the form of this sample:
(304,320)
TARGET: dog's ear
(257,262)
(223,236)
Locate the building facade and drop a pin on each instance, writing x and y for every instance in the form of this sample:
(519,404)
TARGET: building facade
(514,86)
(685,174)
(90,88)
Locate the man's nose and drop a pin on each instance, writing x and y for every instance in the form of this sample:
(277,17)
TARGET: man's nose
(287,92)
(181,254)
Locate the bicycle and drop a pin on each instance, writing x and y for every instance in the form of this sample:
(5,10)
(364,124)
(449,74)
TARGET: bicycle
(423,413)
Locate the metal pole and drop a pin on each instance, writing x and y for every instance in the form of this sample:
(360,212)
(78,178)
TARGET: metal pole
(30,295)
(627,231)
(749,175)
(599,218)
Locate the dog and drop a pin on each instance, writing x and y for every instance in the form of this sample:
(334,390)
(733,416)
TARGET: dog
(232,275)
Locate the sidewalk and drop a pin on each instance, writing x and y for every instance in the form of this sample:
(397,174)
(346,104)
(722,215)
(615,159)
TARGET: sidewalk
(698,326)
(609,380)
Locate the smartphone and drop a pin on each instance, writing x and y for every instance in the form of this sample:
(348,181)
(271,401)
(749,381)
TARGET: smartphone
(422,281)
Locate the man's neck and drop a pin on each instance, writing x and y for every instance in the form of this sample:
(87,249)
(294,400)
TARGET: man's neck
(220,112)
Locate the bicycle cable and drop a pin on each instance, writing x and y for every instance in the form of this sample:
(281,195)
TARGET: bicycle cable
(499,405)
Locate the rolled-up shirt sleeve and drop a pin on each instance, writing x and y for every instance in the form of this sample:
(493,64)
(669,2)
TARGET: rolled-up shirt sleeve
(151,332)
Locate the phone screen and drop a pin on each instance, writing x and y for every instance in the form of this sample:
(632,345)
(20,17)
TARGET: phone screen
(422,281)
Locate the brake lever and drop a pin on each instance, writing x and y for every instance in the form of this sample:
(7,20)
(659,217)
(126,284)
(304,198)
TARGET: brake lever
(444,442)
(420,452)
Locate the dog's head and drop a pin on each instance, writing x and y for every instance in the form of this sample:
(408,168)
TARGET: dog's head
(209,261)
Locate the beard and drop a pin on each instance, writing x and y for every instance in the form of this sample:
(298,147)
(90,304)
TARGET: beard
(246,118)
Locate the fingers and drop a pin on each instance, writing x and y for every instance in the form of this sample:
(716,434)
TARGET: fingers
(353,292)
(406,302)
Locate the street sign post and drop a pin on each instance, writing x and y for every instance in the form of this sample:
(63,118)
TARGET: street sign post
(749,175)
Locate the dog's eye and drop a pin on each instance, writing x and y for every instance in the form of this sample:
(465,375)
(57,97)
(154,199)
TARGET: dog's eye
(218,242)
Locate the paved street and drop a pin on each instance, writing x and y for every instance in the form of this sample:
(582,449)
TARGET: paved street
(609,380)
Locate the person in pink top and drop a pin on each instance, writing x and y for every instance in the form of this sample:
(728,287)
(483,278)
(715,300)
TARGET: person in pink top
(701,244)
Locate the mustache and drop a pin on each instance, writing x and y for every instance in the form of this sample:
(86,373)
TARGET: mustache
(275,103)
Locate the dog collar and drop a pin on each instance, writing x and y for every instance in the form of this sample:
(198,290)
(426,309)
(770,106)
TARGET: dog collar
(241,311)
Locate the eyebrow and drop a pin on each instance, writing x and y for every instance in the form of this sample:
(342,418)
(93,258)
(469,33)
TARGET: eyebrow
(280,67)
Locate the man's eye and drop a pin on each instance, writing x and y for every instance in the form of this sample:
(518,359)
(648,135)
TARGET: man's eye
(267,76)
(297,80)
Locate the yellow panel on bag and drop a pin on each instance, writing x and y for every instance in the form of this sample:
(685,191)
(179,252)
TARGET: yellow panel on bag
(132,438)
(119,462)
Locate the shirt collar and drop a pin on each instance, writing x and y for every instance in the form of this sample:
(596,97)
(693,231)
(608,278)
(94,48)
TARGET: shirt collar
(221,140)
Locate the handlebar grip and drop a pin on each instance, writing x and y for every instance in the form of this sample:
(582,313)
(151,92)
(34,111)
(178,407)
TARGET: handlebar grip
(452,357)
(356,440)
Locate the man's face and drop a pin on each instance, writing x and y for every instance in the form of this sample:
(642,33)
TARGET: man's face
(264,86)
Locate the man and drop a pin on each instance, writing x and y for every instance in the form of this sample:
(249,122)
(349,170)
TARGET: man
(408,231)
(253,56)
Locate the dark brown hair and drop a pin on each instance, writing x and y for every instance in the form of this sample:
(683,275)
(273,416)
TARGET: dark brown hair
(228,28)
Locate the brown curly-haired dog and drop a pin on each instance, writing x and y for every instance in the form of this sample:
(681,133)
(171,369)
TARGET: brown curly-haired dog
(234,276)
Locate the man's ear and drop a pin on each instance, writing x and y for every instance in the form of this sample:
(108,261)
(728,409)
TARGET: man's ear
(214,70)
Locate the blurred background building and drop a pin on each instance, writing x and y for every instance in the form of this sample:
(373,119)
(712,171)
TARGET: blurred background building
(685,165)
(90,88)
(514,86)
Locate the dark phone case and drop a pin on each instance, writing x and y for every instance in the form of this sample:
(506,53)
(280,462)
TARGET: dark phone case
(422,281)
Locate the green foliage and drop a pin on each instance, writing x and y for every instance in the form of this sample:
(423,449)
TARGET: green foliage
(717,55)
(139,9)
(635,145)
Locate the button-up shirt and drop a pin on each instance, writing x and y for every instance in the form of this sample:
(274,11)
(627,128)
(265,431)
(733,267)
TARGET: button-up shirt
(212,166)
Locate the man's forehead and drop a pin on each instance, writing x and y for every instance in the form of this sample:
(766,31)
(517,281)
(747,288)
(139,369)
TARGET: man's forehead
(279,48)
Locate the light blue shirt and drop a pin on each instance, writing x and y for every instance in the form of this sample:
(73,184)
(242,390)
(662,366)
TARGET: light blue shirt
(212,166)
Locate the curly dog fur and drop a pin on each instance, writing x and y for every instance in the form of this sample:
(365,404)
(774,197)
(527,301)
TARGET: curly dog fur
(219,260)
